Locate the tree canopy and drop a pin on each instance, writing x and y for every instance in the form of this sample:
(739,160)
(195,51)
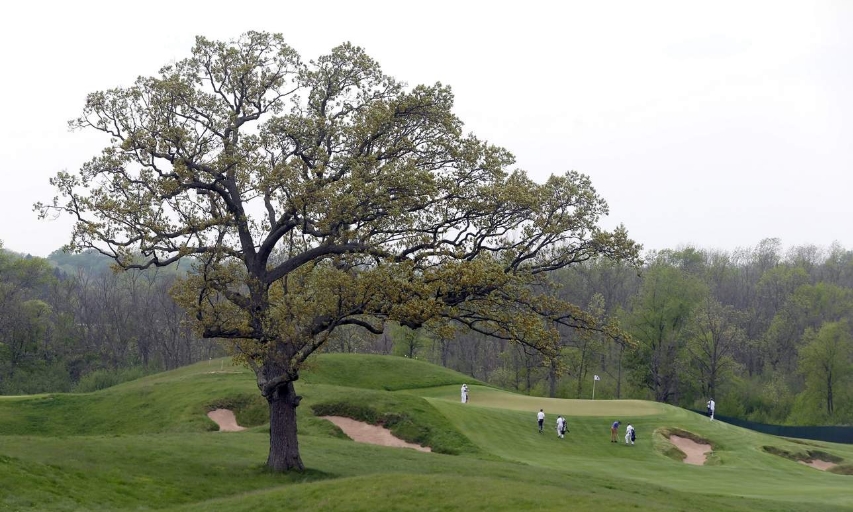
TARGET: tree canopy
(315,195)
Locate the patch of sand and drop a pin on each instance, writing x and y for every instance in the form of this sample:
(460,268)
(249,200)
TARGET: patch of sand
(818,464)
(366,433)
(225,419)
(696,452)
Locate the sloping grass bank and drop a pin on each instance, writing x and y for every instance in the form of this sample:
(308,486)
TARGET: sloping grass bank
(147,445)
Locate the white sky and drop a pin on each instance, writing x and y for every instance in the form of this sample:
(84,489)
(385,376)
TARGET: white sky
(715,124)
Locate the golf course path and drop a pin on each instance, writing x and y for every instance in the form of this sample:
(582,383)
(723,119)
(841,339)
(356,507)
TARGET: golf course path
(225,419)
(696,452)
(366,433)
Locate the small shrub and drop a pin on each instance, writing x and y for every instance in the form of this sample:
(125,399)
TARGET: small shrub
(103,379)
(36,378)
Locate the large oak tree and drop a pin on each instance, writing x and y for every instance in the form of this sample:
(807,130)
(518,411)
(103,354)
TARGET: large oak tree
(318,195)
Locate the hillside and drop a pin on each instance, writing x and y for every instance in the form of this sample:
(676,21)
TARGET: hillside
(147,445)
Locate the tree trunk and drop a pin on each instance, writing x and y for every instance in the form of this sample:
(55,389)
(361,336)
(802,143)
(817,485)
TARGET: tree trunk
(284,446)
(829,404)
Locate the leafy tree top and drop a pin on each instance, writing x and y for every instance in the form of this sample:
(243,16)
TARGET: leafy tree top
(326,193)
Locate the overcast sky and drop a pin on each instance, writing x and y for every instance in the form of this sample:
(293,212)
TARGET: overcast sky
(715,124)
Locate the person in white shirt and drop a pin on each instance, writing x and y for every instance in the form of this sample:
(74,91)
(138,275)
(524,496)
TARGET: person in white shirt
(711,406)
(464,393)
(540,418)
(629,435)
(561,427)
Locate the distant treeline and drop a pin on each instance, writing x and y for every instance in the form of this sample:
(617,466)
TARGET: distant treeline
(765,332)
(70,316)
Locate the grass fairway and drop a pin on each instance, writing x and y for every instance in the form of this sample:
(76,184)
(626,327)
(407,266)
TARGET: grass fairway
(147,445)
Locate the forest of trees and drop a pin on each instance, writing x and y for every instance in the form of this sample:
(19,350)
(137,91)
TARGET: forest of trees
(69,323)
(764,330)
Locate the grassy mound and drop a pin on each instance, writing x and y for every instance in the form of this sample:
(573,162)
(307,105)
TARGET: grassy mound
(389,373)
(175,401)
(410,418)
(178,400)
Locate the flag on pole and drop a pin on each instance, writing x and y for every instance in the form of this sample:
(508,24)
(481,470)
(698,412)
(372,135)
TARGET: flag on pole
(596,377)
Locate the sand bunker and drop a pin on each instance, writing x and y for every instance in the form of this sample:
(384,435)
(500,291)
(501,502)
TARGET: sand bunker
(696,452)
(818,464)
(225,419)
(372,434)
(813,458)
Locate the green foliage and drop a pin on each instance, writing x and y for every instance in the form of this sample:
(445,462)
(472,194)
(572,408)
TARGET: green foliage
(39,376)
(826,363)
(713,335)
(25,324)
(408,342)
(808,306)
(767,399)
(93,262)
(103,379)
(660,315)
(90,261)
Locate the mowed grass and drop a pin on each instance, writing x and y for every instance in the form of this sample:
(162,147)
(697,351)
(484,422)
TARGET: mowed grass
(483,396)
(147,445)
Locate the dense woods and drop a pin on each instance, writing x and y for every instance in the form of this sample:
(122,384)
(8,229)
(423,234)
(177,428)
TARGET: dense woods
(69,323)
(764,330)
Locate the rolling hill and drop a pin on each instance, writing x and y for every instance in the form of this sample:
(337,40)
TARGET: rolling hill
(148,445)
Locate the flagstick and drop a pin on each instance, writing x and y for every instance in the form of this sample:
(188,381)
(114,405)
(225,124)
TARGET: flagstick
(593,389)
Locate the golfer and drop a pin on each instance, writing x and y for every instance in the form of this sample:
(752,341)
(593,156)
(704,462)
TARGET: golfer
(561,427)
(711,406)
(540,418)
(614,432)
(464,393)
